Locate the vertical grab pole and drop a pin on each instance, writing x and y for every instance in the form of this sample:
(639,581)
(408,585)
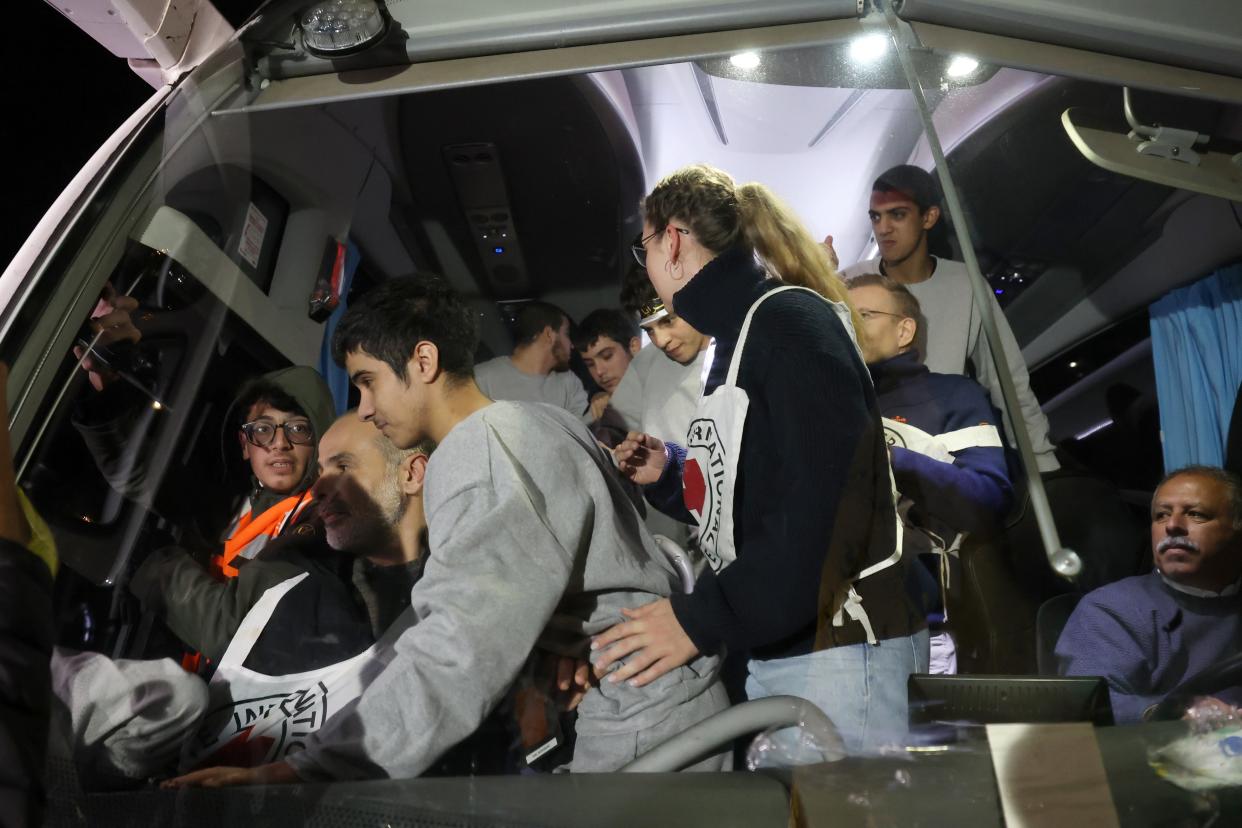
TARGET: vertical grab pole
(1065,562)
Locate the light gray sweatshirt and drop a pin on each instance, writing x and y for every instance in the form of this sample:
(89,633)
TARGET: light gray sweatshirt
(954,337)
(533,541)
(500,379)
(658,396)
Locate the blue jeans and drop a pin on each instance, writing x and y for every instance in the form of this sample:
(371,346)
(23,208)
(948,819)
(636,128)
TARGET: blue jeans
(861,687)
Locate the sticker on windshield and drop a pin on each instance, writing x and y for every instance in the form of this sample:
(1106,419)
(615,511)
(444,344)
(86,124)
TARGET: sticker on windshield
(251,244)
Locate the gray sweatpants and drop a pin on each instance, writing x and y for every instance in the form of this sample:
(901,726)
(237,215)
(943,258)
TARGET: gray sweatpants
(123,717)
(606,752)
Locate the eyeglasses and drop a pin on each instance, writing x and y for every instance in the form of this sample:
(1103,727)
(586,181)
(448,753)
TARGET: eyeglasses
(868,314)
(640,250)
(262,433)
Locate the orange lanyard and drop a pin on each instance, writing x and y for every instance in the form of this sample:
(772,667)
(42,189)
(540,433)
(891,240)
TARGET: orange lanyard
(249,528)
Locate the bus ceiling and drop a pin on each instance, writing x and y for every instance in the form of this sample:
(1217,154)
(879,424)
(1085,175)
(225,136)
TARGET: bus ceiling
(163,39)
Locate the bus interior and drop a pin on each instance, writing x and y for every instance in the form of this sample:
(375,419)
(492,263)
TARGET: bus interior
(518,176)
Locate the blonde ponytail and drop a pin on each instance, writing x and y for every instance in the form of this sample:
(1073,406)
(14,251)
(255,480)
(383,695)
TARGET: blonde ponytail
(722,215)
(788,249)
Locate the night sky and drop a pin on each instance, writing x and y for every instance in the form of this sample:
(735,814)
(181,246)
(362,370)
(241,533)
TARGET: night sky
(64,94)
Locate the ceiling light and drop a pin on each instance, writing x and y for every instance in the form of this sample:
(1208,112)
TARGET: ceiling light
(336,27)
(868,48)
(1073,364)
(961,66)
(745,60)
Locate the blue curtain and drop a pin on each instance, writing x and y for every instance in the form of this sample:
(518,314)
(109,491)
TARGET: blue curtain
(1196,339)
(333,374)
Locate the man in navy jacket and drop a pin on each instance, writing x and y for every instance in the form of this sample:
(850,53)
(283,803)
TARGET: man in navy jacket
(946,450)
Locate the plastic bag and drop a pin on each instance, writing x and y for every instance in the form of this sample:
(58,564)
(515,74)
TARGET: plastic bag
(1211,756)
(788,746)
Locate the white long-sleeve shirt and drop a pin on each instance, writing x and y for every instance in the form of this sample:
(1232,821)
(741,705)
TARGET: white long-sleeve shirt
(657,396)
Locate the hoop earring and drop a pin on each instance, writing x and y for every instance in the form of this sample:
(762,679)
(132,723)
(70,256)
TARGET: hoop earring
(675,266)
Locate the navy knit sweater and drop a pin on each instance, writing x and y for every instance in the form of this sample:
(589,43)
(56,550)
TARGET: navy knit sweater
(812,506)
(1146,638)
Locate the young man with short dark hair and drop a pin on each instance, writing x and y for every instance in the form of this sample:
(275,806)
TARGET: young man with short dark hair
(538,370)
(658,393)
(533,541)
(906,217)
(282,416)
(607,340)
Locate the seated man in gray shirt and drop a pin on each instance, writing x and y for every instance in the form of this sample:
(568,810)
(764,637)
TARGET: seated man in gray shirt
(538,370)
(533,542)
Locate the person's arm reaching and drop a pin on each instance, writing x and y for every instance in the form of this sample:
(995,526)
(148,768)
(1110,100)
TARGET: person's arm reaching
(970,494)
(204,612)
(657,467)
(973,492)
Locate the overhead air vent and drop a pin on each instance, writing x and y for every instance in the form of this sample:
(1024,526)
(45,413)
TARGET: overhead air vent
(481,193)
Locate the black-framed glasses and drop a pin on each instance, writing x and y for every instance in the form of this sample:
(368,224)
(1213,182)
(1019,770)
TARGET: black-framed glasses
(640,250)
(262,433)
(868,314)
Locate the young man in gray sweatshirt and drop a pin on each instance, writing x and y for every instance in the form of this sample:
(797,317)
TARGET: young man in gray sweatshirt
(534,542)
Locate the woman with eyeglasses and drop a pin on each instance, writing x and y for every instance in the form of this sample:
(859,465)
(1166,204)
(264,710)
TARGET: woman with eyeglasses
(784,470)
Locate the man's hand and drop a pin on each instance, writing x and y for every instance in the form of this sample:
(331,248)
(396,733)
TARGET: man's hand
(832,253)
(573,680)
(277,773)
(652,636)
(1208,713)
(641,457)
(112,321)
(598,403)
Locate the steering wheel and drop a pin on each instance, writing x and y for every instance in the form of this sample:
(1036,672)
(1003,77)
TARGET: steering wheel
(1222,675)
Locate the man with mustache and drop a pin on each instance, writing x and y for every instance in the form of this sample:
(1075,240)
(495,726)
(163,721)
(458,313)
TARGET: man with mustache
(1148,633)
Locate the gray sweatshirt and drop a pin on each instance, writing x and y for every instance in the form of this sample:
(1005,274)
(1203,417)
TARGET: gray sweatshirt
(533,542)
(658,396)
(954,337)
(500,379)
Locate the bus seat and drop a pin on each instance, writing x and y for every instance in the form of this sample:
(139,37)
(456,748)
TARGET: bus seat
(1051,619)
(991,612)
(1092,519)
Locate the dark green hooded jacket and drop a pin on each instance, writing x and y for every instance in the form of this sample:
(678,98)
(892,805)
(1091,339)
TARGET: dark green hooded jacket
(174,582)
